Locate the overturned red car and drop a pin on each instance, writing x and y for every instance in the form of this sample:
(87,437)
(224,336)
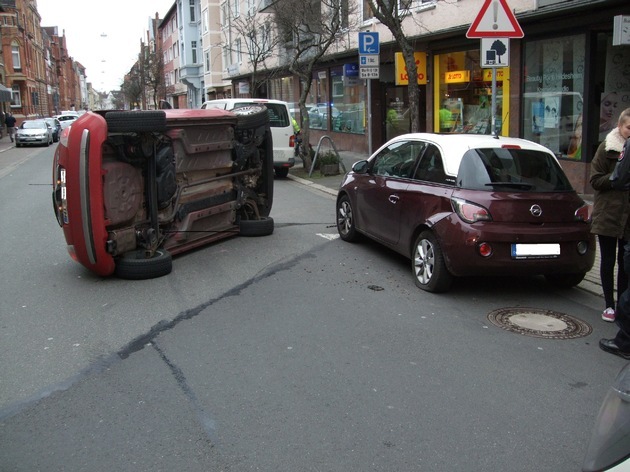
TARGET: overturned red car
(133,188)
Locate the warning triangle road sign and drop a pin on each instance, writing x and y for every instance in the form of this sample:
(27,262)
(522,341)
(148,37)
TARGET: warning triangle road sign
(495,19)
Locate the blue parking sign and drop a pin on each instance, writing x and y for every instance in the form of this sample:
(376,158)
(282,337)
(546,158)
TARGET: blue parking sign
(368,43)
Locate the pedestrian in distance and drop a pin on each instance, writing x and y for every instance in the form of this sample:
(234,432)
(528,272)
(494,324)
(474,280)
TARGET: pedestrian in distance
(10,122)
(611,208)
(618,142)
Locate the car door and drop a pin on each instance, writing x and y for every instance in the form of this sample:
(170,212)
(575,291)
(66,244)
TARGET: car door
(381,196)
(427,199)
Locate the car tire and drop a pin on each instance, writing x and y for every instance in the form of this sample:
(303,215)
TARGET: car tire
(281,172)
(133,265)
(345,220)
(136,121)
(262,227)
(565,280)
(251,116)
(428,266)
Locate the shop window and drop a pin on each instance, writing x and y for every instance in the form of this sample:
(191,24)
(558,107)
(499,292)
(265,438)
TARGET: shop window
(553,94)
(347,109)
(463,100)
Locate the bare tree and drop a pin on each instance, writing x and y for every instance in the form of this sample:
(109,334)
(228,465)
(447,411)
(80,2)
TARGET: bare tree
(132,90)
(389,12)
(259,46)
(307,30)
(153,72)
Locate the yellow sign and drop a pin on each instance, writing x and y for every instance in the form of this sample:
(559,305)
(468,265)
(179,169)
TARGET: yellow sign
(501,74)
(402,78)
(457,77)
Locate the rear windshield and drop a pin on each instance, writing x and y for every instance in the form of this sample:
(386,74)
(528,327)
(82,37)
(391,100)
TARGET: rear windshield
(499,169)
(278,116)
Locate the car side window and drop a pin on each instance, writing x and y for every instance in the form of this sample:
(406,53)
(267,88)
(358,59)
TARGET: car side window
(398,160)
(431,167)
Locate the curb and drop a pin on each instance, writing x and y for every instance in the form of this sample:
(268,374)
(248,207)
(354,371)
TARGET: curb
(308,183)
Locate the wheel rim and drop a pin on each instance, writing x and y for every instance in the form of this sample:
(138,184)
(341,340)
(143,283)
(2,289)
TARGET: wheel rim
(344,218)
(424,261)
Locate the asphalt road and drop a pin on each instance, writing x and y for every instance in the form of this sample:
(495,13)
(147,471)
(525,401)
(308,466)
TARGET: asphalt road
(293,352)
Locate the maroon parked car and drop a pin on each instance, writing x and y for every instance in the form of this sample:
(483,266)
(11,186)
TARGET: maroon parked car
(468,205)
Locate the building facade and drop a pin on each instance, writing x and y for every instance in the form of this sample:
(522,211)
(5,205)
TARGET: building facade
(563,85)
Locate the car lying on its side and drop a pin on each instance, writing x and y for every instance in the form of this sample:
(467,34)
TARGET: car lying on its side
(131,189)
(469,205)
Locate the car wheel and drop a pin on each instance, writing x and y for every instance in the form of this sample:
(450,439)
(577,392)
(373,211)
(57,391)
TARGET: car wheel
(251,116)
(281,172)
(345,220)
(262,227)
(428,266)
(134,265)
(136,121)
(565,280)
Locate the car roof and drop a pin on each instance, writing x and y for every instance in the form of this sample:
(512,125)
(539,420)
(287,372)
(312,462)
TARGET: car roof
(454,146)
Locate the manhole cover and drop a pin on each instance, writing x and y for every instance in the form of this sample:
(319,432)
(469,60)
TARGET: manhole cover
(539,323)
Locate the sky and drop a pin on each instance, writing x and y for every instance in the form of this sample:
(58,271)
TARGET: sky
(103,36)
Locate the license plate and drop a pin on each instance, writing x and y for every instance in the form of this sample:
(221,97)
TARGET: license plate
(535,251)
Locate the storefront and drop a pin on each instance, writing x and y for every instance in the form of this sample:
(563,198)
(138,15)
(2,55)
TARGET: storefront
(463,95)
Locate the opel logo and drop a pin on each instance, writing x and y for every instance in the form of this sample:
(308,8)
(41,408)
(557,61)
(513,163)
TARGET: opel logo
(535,210)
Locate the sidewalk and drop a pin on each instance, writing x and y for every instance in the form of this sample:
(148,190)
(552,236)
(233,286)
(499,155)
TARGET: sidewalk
(330,185)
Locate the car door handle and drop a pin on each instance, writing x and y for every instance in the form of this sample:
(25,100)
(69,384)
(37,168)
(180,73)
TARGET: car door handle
(394,199)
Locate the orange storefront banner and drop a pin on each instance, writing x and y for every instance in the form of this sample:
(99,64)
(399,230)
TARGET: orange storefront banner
(402,78)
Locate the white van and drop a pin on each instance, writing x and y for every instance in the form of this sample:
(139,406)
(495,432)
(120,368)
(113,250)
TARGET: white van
(280,122)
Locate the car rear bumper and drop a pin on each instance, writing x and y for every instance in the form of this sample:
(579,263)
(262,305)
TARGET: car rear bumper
(461,244)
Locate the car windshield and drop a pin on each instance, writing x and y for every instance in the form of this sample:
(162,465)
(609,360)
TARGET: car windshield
(505,169)
(33,125)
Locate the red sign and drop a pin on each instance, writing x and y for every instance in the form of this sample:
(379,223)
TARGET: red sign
(495,20)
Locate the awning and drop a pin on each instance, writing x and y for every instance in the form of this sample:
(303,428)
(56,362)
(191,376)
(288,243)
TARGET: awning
(5,94)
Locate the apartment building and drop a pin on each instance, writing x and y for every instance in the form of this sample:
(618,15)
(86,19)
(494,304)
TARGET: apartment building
(569,65)
(40,77)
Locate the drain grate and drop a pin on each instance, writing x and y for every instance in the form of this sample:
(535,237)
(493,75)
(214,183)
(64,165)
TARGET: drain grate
(539,323)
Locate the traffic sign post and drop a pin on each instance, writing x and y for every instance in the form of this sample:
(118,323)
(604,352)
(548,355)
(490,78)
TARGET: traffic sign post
(495,20)
(495,24)
(369,49)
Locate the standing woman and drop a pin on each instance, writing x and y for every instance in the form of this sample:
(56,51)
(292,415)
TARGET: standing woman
(610,213)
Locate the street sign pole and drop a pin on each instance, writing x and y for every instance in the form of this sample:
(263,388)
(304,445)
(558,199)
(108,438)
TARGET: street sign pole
(369,100)
(494,103)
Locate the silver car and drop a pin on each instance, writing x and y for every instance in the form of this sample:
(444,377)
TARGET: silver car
(34,132)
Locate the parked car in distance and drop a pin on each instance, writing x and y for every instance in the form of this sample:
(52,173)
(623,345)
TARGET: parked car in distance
(280,121)
(469,205)
(66,120)
(55,124)
(34,132)
(133,188)
(318,115)
(609,447)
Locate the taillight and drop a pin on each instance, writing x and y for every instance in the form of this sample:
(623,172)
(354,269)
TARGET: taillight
(485,249)
(583,213)
(60,202)
(63,139)
(470,212)
(292,141)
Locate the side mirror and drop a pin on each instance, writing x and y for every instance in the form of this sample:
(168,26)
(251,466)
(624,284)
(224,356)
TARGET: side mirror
(360,167)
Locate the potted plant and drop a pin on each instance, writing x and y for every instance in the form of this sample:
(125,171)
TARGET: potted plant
(328,163)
